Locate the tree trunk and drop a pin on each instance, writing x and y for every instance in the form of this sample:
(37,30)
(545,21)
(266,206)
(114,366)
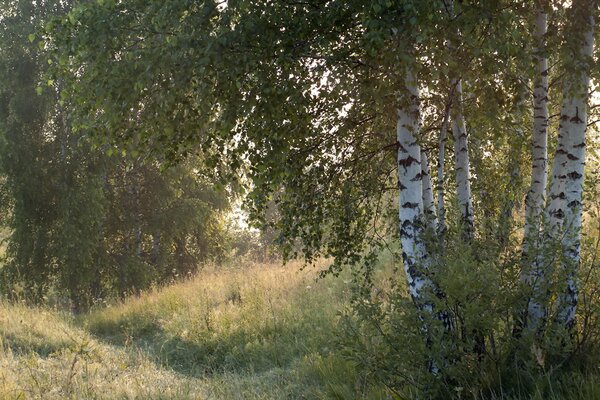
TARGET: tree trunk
(461,154)
(572,136)
(441,210)
(428,203)
(410,185)
(461,146)
(462,164)
(533,271)
(410,202)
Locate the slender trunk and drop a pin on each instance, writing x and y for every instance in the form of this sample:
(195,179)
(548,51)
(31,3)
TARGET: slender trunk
(533,272)
(411,212)
(410,184)
(461,147)
(428,203)
(572,136)
(463,174)
(441,210)
(462,164)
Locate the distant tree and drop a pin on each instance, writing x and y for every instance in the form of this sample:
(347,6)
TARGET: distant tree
(83,222)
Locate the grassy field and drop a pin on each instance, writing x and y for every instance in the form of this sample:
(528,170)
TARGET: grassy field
(251,332)
(258,332)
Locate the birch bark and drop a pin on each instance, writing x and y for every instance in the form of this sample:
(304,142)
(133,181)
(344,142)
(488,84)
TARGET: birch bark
(572,135)
(461,154)
(533,272)
(441,210)
(461,148)
(411,209)
(428,203)
(410,184)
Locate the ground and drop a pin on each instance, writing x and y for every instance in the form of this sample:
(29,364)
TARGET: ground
(237,332)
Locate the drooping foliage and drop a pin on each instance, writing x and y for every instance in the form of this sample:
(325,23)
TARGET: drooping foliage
(307,103)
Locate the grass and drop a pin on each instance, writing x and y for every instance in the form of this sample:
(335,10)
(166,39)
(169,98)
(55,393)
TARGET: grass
(251,332)
(258,332)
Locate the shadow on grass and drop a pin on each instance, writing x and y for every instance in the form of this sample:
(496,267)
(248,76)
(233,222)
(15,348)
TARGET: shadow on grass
(277,346)
(40,346)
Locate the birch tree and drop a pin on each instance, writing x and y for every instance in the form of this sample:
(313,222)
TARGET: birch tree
(533,273)
(429,206)
(443,138)
(569,189)
(461,144)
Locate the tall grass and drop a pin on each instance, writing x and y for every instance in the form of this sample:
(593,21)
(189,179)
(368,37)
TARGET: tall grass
(242,332)
(247,332)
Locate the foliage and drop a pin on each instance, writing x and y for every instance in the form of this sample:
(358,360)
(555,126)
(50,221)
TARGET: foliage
(382,333)
(86,225)
(298,102)
(303,107)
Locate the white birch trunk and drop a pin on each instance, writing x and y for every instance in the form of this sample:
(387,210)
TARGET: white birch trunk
(574,110)
(411,209)
(441,210)
(461,148)
(428,203)
(461,154)
(533,272)
(411,195)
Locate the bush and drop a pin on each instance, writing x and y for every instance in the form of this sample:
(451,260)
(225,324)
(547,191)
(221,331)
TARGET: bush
(481,357)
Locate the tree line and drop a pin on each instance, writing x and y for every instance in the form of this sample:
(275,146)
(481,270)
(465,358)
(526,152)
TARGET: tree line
(87,222)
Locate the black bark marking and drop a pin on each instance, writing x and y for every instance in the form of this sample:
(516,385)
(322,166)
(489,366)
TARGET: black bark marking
(408,161)
(576,118)
(418,177)
(410,205)
(574,175)
(559,214)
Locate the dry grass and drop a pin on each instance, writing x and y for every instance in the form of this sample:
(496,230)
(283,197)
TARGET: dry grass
(257,332)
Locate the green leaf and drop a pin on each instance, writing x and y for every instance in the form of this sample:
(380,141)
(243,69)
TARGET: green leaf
(31,37)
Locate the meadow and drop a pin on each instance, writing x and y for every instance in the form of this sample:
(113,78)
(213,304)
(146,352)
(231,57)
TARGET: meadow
(242,331)
(259,332)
